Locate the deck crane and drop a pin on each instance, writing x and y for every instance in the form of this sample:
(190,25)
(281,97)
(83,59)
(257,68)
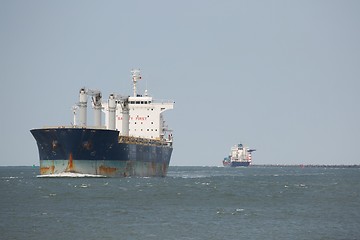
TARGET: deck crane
(124,104)
(96,102)
(82,106)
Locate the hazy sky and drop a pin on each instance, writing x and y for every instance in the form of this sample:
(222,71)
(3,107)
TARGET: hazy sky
(279,76)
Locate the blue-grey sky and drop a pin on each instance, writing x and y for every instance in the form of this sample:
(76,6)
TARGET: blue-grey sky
(279,76)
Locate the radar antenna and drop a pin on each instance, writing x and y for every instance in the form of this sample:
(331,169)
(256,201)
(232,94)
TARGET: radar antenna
(135,77)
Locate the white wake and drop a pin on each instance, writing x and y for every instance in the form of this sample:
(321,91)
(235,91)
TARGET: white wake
(70,175)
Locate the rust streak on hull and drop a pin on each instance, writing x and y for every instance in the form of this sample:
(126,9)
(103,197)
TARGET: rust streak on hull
(47,170)
(70,166)
(103,170)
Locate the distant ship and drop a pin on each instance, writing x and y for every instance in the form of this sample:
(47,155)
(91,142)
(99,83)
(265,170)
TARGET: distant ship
(134,141)
(240,156)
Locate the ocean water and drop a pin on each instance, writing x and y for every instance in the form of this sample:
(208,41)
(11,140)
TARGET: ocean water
(190,203)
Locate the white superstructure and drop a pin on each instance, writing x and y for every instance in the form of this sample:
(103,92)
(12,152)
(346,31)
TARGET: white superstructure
(240,153)
(139,115)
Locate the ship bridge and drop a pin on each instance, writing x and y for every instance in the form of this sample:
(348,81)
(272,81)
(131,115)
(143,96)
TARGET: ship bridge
(144,113)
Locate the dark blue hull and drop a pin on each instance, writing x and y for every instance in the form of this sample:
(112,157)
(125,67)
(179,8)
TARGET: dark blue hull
(98,151)
(236,164)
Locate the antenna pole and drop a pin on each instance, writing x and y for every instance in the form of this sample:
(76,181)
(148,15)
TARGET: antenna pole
(135,77)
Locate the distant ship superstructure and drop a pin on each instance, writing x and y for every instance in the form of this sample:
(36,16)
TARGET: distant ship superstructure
(239,156)
(134,141)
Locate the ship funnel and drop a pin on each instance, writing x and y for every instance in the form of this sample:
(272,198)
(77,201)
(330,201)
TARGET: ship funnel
(82,107)
(112,110)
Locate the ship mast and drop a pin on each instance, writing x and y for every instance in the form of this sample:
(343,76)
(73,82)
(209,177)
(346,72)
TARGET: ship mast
(135,77)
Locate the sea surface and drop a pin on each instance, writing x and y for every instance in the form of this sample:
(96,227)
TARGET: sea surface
(258,202)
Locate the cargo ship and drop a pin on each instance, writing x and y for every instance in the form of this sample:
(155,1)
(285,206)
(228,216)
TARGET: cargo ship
(240,156)
(133,141)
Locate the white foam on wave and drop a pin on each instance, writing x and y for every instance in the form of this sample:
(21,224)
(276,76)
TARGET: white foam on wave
(70,175)
(9,177)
